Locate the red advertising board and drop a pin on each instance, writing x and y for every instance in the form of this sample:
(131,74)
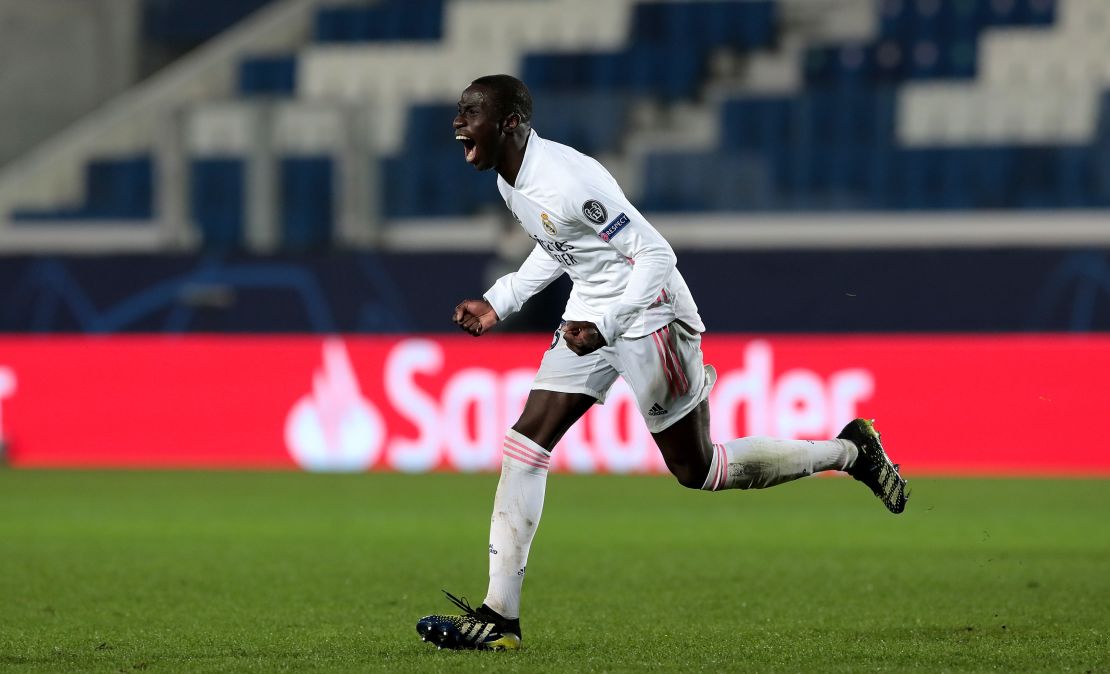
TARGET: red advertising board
(1003,405)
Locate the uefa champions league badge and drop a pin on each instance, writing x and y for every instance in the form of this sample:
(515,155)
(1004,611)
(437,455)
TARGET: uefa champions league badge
(595,212)
(548,226)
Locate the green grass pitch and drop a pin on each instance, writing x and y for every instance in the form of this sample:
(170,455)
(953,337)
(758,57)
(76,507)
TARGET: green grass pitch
(217,572)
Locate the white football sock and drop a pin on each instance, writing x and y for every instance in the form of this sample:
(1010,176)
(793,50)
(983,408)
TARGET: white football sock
(758,462)
(516,514)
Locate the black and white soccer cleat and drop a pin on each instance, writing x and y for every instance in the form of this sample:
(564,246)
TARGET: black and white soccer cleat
(479,628)
(873,467)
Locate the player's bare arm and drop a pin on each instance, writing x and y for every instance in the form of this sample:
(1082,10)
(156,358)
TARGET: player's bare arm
(475,316)
(582,337)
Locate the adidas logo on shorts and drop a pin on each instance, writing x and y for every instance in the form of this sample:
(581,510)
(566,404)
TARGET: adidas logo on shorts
(656,410)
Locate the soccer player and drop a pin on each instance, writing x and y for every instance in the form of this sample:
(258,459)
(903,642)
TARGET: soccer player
(630,314)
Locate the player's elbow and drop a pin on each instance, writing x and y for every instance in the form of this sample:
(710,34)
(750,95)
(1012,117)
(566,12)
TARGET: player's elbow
(657,255)
(665,257)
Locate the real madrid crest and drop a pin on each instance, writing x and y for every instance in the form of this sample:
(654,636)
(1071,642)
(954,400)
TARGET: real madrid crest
(548,226)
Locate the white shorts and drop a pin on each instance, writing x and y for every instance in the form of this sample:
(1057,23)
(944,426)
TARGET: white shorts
(664,371)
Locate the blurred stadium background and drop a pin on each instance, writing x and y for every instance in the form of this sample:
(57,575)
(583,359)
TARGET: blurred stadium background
(893,208)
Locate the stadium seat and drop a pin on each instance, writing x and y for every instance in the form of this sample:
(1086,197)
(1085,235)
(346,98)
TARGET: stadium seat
(217,196)
(115,189)
(192,21)
(268,76)
(661,60)
(434,183)
(306,202)
(922,41)
(590,122)
(740,25)
(389,20)
(692,181)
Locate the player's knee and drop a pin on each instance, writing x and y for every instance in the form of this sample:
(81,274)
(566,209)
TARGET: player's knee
(691,477)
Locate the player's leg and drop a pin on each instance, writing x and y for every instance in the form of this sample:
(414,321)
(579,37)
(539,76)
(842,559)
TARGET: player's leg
(517,506)
(672,387)
(518,502)
(686,447)
(565,387)
(757,462)
(744,463)
(548,415)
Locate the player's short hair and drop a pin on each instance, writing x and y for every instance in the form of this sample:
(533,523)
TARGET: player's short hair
(510,95)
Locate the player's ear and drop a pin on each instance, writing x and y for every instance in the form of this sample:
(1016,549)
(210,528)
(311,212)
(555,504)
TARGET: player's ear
(511,123)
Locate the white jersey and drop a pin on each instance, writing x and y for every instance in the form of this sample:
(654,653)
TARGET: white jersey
(624,274)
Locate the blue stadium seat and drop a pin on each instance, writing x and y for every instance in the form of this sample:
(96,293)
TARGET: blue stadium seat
(435,183)
(115,189)
(1035,178)
(658,71)
(306,202)
(702,26)
(693,181)
(428,126)
(1076,181)
(922,41)
(193,21)
(1100,155)
(1102,132)
(843,116)
(386,20)
(399,188)
(120,188)
(840,175)
(1056,177)
(669,46)
(991,175)
(217,200)
(675,181)
(591,122)
(643,69)
(757,124)
(1018,13)
(917,178)
(268,75)
(561,72)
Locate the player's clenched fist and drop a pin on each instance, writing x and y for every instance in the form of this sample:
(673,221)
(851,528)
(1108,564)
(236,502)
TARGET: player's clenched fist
(475,316)
(582,337)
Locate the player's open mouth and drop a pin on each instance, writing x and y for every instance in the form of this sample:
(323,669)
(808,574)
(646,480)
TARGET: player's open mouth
(469,147)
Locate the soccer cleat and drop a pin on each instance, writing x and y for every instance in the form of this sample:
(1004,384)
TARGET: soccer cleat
(479,628)
(873,467)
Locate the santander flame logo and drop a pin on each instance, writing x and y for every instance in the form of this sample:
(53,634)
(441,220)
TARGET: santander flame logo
(335,428)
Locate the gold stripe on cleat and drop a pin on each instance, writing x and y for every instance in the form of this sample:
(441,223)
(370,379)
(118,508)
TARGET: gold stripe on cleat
(507,642)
